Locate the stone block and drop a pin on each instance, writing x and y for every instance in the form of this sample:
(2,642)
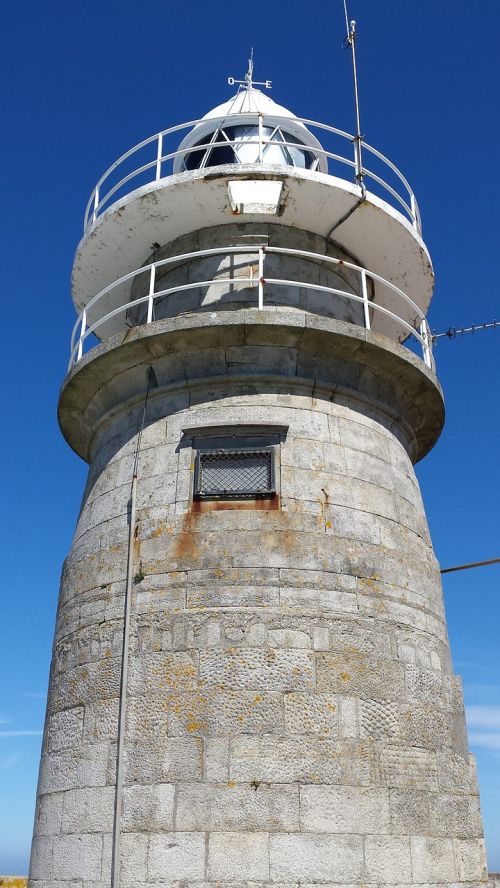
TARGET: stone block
(307,454)
(369,467)
(288,638)
(455,815)
(232,596)
(365,437)
(42,851)
(388,859)
(176,857)
(229,807)
(73,769)
(88,810)
(257,669)
(470,858)
(147,715)
(148,808)
(353,524)
(344,809)
(163,671)
(322,600)
(86,684)
(424,685)
(312,714)
(316,858)
(321,638)
(300,759)
(238,856)
(410,811)
(349,717)
(379,719)
(216,760)
(213,712)
(133,856)
(360,676)
(408,767)
(49,814)
(77,857)
(101,720)
(302,577)
(422,724)
(432,859)
(456,773)
(162,760)
(64,729)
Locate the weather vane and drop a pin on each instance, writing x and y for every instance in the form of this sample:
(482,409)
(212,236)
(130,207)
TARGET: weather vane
(249,82)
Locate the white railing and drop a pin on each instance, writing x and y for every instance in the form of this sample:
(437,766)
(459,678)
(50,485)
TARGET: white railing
(114,182)
(417,327)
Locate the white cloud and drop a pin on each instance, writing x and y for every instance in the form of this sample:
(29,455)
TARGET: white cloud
(20,733)
(484,726)
(483,717)
(485,739)
(34,694)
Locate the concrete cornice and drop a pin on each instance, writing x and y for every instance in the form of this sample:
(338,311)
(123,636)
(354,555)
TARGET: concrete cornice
(281,351)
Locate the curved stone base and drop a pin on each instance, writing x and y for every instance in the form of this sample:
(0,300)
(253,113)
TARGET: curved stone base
(292,716)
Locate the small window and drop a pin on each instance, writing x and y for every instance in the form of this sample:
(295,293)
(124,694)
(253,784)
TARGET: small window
(235,473)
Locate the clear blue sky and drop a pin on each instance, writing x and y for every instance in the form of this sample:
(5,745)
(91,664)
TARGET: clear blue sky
(83,82)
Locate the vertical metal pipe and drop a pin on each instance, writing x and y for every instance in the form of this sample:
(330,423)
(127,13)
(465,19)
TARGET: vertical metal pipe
(83,327)
(261,278)
(152,275)
(122,715)
(115,859)
(366,301)
(358,160)
(260,137)
(413,206)
(96,203)
(159,156)
(427,350)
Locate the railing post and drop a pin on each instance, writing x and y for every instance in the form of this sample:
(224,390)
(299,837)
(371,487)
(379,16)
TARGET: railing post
(83,327)
(260,138)
(414,214)
(159,156)
(96,203)
(261,277)
(152,275)
(366,302)
(426,348)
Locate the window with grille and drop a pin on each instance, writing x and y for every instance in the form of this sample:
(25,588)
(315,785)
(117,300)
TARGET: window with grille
(235,473)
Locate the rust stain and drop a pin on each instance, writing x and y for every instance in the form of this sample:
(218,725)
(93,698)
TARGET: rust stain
(186,544)
(257,504)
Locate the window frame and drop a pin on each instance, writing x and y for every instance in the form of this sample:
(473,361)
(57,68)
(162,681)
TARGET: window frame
(248,494)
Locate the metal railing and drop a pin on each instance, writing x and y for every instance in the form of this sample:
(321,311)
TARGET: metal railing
(161,161)
(417,327)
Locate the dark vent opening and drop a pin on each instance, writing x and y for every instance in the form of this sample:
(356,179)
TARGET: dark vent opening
(235,473)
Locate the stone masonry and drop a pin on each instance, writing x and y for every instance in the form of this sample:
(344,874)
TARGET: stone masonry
(292,714)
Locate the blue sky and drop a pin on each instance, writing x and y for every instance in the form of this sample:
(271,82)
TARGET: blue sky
(81,83)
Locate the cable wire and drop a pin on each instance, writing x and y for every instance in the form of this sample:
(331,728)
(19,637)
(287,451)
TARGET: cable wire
(447,570)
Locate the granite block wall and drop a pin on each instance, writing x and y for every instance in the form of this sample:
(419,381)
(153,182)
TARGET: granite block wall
(292,714)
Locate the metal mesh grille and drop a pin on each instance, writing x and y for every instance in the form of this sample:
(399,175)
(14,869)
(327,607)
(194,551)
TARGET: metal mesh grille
(235,473)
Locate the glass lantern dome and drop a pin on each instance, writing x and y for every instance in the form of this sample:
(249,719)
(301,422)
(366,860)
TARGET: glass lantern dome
(230,134)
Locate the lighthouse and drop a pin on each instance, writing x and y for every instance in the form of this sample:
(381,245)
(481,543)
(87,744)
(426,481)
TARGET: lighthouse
(251,680)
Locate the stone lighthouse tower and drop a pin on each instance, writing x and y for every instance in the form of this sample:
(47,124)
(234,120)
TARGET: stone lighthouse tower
(251,680)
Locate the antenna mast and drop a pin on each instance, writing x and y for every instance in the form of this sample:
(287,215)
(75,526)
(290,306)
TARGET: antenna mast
(351,41)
